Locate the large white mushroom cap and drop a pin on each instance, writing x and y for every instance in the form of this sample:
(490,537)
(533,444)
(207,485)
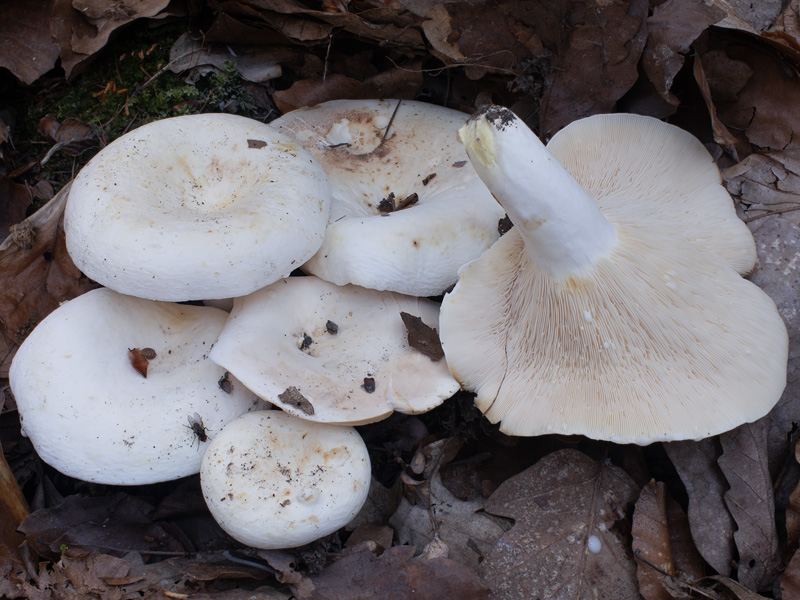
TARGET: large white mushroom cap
(196,207)
(416,250)
(274,481)
(92,415)
(588,321)
(312,347)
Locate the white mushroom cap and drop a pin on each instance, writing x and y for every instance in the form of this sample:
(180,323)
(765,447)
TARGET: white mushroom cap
(649,172)
(416,250)
(579,321)
(274,481)
(307,346)
(196,207)
(93,416)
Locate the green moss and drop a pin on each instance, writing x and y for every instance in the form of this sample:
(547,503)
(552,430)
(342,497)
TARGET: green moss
(125,87)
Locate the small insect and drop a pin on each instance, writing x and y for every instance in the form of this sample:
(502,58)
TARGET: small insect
(369,384)
(225,383)
(197,427)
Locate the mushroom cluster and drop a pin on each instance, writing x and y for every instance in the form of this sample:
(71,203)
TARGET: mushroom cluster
(124,386)
(614,308)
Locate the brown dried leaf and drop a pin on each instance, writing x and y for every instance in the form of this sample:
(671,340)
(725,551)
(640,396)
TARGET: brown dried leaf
(81,28)
(685,556)
(14,201)
(651,541)
(27,50)
(395,574)
(560,504)
(790,580)
(116,524)
(767,187)
(766,108)
(422,337)
(751,502)
(597,64)
(711,523)
(36,281)
(722,135)
(671,30)
(393,83)
(72,136)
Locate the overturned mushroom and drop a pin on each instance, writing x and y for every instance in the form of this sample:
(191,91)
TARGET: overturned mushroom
(604,320)
(89,411)
(407,209)
(187,209)
(279,343)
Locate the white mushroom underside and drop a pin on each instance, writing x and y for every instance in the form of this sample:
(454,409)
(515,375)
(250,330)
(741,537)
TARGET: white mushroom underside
(261,345)
(188,208)
(650,345)
(91,415)
(274,481)
(419,249)
(648,173)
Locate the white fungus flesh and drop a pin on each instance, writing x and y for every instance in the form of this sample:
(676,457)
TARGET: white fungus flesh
(274,481)
(333,354)
(373,239)
(92,415)
(196,207)
(593,322)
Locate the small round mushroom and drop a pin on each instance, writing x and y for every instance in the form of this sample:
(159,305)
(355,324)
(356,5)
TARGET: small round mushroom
(196,207)
(273,481)
(334,354)
(602,322)
(119,390)
(408,209)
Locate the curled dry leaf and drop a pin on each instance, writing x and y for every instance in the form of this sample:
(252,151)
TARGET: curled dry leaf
(710,521)
(14,201)
(671,30)
(28,50)
(36,280)
(751,502)
(568,541)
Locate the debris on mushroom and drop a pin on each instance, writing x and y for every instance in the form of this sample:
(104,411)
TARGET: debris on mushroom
(274,481)
(596,314)
(404,218)
(263,345)
(186,209)
(92,416)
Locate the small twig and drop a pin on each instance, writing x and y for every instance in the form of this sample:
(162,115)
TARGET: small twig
(391,120)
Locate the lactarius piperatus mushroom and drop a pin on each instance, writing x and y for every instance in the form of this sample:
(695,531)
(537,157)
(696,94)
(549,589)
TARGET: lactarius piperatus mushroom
(196,207)
(119,390)
(274,481)
(408,208)
(593,317)
(333,354)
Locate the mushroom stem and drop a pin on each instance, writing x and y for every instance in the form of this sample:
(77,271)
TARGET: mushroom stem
(564,231)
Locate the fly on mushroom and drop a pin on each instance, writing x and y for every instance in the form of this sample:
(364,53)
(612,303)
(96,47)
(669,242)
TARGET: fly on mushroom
(197,427)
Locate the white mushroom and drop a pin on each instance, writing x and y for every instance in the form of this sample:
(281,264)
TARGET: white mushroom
(273,481)
(600,321)
(119,390)
(332,354)
(196,207)
(408,209)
